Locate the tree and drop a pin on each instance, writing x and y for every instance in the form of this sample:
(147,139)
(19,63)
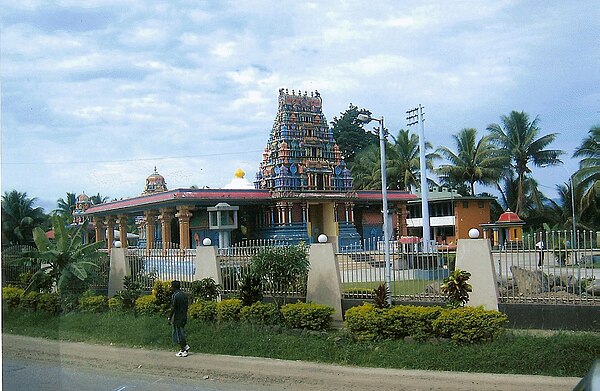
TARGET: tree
(517,140)
(349,135)
(588,175)
(475,161)
(19,217)
(67,260)
(66,206)
(98,199)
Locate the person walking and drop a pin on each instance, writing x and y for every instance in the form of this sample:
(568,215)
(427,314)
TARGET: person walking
(178,318)
(539,246)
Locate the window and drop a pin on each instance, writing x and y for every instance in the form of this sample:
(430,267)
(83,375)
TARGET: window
(480,204)
(465,204)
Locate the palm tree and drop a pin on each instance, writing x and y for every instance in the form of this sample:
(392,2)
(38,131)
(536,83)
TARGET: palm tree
(66,206)
(403,169)
(474,161)
(19,218)
(98,199)
(366,169)
(588,175)
(517,140)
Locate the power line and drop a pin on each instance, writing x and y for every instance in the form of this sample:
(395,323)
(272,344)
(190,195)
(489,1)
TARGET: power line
(132,160)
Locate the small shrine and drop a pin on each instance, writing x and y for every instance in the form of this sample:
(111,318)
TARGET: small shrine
(155,183)
(507,231)
(82,204)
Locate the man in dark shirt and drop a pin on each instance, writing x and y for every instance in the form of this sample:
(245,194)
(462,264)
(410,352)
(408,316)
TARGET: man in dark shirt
(178,318)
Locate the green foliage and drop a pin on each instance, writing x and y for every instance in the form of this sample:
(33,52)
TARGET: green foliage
(203,310)
(381,295)
(349,135)
(308,316)
(414,321)
(11,296)
(147,305)
(29,301)
(44,283)
(19,218)
(365,321)
(206,289)
(49,302)
(281,268)
(261,313)
(469,324)
(69,301)
(162,291)
(128,296)
(250,289)
(115,304)
(94,304)
(229,310)
(456,288)
(67,260)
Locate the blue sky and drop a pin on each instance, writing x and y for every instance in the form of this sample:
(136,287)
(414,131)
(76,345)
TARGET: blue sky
(95,94)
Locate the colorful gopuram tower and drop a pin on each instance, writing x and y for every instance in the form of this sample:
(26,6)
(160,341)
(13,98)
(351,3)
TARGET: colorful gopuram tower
(303,168)
(301,154)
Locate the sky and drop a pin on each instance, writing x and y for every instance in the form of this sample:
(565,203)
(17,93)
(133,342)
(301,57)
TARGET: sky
(95,94)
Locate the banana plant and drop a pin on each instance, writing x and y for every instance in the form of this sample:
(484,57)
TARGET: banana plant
(64,258)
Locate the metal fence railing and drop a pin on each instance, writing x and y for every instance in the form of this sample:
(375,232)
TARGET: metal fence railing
(415,275)
(564,268)
(235,264)
(166,264)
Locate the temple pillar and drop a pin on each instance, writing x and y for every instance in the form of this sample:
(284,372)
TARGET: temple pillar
(183,216)
(165,217)
(99,229)
(122,220)
(150,230)
(110,231)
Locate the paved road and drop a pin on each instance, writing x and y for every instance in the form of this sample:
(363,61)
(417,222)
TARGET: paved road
(246,373)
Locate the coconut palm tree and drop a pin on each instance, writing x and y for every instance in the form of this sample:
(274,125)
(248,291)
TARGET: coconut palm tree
(588,175)
(66,206)
(475,161)
(19,217)
(403,168)
(517,139)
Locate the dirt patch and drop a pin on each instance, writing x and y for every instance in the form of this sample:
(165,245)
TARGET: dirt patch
(270,374)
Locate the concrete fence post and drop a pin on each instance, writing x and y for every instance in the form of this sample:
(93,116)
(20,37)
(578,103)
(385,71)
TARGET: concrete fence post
(324,284)
(207,264)
(475,256)
(119,268)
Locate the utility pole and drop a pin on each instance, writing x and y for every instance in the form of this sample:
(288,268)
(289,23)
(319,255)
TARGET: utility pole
(414,117)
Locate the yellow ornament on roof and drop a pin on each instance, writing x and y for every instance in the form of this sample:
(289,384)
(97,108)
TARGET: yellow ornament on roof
(239,173)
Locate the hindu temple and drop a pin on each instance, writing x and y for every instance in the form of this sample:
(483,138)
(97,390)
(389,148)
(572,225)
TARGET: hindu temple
(302,189)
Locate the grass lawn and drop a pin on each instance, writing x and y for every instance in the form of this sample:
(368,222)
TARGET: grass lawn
(561,354)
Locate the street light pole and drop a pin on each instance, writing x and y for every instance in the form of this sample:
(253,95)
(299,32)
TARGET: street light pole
(415,116)
(365,118)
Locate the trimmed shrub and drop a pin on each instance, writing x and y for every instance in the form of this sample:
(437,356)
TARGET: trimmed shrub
(147,305)
(205,311)
(162,291)
(116,304)
(49,302)
(229,310)
(308,316)
(405,320)
(261,313)
(469,324)
(365,321)
(11,296)
(95,304)
(30,300)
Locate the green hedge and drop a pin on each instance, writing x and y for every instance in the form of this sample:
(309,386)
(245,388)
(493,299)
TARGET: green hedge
(11,296)
(94,304)
(308,316)
(147,305)
(116,304)
(261,313)
(461,325)
(229,310)
(203,310)
(469,324)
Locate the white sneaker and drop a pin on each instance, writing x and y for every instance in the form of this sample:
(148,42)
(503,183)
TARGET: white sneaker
(186,348)
(182,353)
